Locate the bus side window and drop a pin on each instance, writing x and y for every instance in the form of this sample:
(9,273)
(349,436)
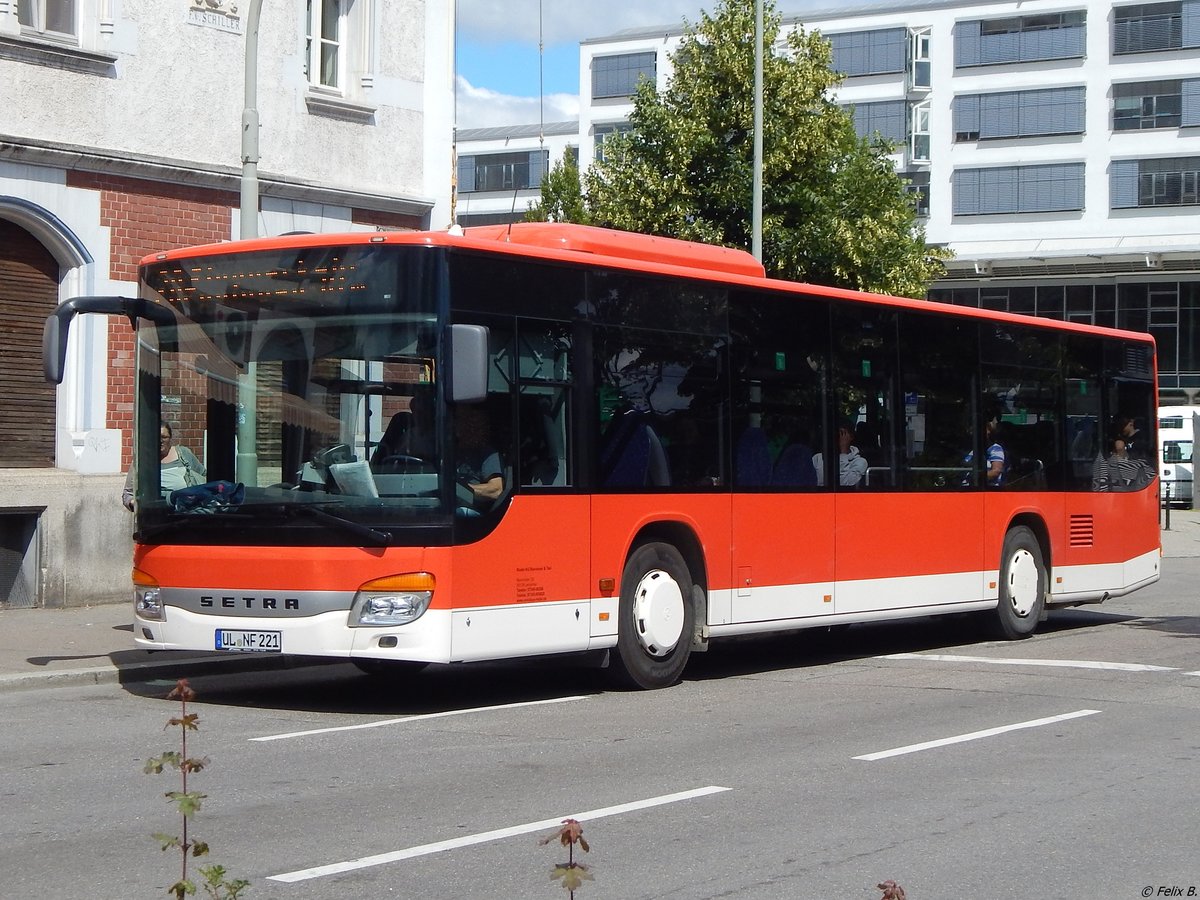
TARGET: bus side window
(938,364)
(779,379)
(543,404)
(865,394)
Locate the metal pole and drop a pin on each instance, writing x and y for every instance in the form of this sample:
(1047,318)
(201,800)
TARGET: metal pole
(756,221)
(249,200)
(247,412)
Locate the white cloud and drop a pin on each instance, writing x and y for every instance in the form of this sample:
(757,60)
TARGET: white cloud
(571,21)
(478,107)
(568,21)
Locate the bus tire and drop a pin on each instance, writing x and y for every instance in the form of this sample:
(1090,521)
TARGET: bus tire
(387,668)
(1023,582)
(655,619)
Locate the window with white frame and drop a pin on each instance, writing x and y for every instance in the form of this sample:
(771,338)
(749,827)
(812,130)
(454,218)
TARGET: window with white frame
(918,132)
(920,71)
(324,43)
(50,18)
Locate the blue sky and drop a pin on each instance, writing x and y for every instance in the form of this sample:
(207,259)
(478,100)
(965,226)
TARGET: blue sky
(498,60)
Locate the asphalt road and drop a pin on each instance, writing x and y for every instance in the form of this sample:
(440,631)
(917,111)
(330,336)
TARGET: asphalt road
(801,766)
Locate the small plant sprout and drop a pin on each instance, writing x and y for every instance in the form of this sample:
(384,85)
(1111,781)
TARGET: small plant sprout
(572,874)
(891,890)
(187,803)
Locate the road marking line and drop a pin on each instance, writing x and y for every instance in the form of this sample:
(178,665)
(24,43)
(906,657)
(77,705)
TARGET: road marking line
(1055,663)
(976,735)
(403,719)
(498,834)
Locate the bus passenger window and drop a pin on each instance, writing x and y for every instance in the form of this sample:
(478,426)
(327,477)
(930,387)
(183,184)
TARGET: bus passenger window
(865,393)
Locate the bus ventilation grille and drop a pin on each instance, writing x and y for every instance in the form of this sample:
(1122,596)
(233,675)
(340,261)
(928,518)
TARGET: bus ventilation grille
(1082,531)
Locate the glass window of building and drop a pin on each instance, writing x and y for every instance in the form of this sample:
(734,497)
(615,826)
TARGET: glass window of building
(1016,39)
(878,52)
(1018,189)
(618,76)
(1018,114)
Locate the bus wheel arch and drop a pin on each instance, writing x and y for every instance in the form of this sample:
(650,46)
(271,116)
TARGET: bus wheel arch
(661,607)
(1024,579)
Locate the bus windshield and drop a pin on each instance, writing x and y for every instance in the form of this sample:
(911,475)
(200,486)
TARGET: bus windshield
(300,385)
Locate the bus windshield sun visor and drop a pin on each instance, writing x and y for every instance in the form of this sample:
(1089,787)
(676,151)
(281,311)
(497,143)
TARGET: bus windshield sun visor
(58,325)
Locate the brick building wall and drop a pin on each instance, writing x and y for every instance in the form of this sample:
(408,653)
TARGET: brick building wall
(145,217)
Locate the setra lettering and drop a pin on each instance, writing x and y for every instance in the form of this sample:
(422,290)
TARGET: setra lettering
(208,601)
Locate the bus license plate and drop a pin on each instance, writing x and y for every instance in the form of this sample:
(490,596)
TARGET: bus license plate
(249,641)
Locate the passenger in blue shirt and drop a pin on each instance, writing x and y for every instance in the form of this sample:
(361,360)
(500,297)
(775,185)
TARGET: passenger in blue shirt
(994,456)
(997,462)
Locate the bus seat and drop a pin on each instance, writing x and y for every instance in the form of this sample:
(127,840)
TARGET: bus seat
(625,453)
(795,468)
(658,472)
(753,460)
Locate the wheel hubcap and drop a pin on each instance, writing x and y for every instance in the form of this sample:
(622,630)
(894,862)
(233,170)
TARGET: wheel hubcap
(1022,582)
(658,612)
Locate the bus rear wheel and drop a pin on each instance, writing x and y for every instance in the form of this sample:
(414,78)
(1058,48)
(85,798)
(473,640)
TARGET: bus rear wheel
(1023,582)
(655,619)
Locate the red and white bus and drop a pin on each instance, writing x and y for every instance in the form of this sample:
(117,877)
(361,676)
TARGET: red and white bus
(539,439)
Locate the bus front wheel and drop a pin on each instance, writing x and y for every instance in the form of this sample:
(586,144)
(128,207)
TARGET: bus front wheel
(655,619)
(1023,581)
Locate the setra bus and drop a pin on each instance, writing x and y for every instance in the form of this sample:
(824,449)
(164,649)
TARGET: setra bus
(541,439)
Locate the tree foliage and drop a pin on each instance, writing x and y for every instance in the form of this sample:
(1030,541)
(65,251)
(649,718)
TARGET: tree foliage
(834,209)
(562,195)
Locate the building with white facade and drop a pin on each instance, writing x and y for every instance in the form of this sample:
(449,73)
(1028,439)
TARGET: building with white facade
(500,169)
(121,134)
(1053,145)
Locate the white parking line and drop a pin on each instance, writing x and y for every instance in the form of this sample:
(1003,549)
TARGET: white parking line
(976,735)
(498,834)
(1053,663)
(403,719)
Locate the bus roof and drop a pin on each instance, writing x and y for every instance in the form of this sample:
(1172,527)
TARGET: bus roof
(622,249)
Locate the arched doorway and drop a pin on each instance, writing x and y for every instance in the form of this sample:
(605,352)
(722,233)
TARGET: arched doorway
(29,276)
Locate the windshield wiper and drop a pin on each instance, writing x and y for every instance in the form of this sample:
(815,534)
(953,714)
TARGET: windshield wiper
(372,535)
(366,532)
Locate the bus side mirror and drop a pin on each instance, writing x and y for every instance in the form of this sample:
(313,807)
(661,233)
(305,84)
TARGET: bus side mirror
(468,363)
(58,325)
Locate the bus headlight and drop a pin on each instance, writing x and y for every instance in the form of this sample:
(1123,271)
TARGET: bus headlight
(395,600)
(147,597)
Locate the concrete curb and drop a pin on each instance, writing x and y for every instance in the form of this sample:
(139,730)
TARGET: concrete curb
(138,673)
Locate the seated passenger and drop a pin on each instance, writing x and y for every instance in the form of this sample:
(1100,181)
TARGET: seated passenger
(852,465)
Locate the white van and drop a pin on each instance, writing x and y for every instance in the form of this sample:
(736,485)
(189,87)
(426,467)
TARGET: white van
(1177,427)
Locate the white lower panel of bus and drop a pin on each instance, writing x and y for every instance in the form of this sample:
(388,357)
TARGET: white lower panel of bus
(1081,584)
(327,634)
(524,630)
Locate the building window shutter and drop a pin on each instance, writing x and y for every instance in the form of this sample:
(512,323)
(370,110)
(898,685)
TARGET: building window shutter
(1123,183)
(1191,102)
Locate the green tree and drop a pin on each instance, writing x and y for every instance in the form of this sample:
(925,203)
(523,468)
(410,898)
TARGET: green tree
(562,195)
(834,209)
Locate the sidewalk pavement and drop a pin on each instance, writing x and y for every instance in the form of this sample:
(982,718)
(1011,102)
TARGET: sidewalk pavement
(94,644)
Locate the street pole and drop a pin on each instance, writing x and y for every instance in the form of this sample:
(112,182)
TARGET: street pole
(249,201)
(756,221)
(246,466)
